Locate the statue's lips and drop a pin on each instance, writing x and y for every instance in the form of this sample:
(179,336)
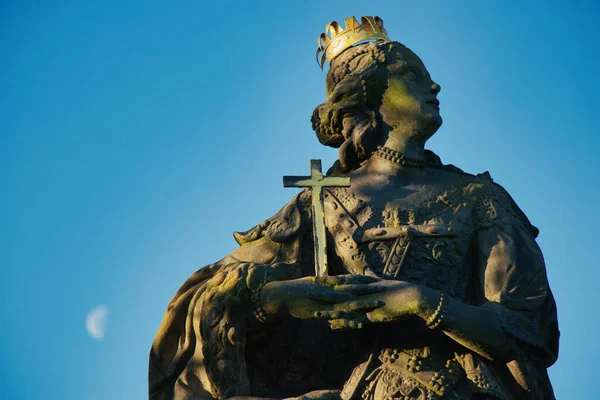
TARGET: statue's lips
(435,102)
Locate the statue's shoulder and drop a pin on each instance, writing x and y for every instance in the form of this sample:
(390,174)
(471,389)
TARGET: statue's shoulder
(282,226)
(451,173)
(495,196)
(493,204)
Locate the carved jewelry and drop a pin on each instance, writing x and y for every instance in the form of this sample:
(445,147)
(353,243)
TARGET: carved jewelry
(438,316)
(258,311)
(398,158)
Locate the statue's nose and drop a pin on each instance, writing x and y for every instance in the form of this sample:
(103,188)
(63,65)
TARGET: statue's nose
(435,88)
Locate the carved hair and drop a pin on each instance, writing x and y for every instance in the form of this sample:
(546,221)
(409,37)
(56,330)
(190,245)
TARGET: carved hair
(350,119)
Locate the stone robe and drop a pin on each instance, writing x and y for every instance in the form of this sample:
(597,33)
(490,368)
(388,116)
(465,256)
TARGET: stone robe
(466,238)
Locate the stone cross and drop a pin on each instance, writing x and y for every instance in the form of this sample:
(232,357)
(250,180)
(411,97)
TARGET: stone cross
(316,181)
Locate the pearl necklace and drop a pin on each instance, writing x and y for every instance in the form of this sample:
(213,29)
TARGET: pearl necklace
(398,158)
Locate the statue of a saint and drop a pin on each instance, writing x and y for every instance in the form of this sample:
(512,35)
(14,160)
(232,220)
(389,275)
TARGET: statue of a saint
(436,287)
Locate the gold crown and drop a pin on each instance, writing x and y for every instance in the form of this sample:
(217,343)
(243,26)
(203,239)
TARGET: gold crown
(335,39)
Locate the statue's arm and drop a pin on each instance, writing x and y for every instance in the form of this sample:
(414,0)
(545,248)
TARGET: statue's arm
(199,346)
(199,349)
(229,305)
(476,328)
(202,353)
(515,318)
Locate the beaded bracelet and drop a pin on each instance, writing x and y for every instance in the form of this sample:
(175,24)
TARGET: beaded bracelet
(438,316)
(258,311)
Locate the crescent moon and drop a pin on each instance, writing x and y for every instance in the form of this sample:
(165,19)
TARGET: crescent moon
(95,322)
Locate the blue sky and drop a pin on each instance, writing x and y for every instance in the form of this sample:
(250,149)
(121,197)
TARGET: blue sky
(136,136)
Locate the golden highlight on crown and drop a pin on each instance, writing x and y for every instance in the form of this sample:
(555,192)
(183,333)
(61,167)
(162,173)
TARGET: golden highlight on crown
(335,39)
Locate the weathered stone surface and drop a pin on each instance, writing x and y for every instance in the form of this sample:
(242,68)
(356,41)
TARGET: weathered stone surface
(436,286)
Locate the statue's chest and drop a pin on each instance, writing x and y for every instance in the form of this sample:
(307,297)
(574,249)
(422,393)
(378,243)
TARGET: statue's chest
(423,239)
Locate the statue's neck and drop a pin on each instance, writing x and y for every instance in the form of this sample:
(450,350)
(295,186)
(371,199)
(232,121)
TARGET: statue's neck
(407,145)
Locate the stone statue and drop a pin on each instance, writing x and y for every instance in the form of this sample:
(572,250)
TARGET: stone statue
(435,288)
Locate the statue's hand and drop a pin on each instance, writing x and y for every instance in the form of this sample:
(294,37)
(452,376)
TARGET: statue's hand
(398,300)
(311,297)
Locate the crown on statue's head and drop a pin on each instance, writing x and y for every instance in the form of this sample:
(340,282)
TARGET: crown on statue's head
(335,39)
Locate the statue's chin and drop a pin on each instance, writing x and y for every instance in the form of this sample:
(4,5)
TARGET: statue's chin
(438,121)
(433,122)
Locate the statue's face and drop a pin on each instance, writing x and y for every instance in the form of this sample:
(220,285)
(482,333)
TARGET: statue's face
(410,100)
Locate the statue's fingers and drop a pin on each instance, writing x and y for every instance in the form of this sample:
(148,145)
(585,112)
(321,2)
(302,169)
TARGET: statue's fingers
(381,315)
(336,280)
(329,296)
(335,314)
(333,280)
(356,324)
(336,324)
(364,305)
(346,323)
(363,279)
(321,280)
(375,316)
(309,309)
(360,289)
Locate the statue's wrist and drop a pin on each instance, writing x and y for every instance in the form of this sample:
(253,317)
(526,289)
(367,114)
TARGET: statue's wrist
(434,308)
(428,302)
(264,304)
(270,299)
